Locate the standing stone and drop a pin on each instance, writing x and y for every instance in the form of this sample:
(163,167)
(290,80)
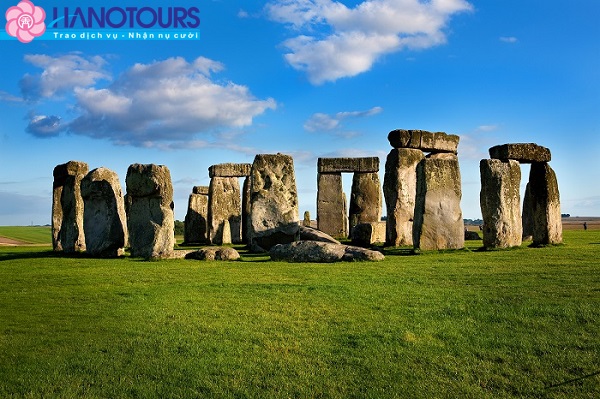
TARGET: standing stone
(500,203)
(527,215)
(67,207)
(104,219)
(246,209)
(196,218)
(438,222)
(365,199)
(224,204)
(274,199)
(547,222)
(306,220)
(400,190)
(331,205)
(149,204)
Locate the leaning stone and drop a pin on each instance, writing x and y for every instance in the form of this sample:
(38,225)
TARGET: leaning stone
(310,234)
(214,253)
(365,199)
(521,152)
(400,190)
(367,234)
(67,207)
(424,141)
(547,222)
(331,205)
(104,218)
(348,165)
(224,204)
(149,204)
(438,222)
(500,202)
(274,201)
(229,170)
(196,218)
(321,252)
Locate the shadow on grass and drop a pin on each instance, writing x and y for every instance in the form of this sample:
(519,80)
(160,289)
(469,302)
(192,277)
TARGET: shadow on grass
(31,255)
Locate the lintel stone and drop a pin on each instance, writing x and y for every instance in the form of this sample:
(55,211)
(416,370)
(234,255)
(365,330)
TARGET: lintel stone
(230,170)
(424,140)
(348,165)
(200,190)
(521,152)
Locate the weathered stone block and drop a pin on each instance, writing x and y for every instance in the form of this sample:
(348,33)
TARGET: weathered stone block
(547,222)
(196,218)
(500,202)
(521,152)
(67,207)
(424,141)
(438,222)
(348,165)
(224,204)
(527,215)
(200,190)
(149,205)
(104,218)
(229,170)
(365,199)
(400,191)
(332,218)
(246,209)
(367,234)
(274,198)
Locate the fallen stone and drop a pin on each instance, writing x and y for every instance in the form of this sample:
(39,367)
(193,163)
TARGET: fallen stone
(367,234)
(424,140)
(214,253)
(307,233)
(229,170)
(104,218)
(521,152)
(348,165)
(322,252)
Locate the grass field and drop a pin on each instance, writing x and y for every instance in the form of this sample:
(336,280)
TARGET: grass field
(28,235)
(463,324)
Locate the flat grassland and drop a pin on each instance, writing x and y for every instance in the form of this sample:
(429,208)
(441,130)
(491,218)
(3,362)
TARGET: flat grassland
(523,322)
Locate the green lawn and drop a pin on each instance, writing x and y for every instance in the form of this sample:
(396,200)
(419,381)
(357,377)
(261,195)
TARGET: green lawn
(29,234)
(462,324)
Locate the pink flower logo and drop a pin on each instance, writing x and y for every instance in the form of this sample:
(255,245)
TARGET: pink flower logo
(25,21)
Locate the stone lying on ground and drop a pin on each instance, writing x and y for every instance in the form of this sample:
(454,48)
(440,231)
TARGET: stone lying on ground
(322,252)
(149,204)
(104,219)
(214,253)
(309,234)
(348,165)
(367,234)
(67,207)
(471,235)
(521,152)
(229,170)
(274,202)
(424,141)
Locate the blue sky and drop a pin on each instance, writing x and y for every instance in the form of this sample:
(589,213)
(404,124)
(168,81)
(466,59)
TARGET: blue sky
(310,78)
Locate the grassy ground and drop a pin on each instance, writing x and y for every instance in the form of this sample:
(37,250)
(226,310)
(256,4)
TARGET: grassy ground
(28,235)
(462,324)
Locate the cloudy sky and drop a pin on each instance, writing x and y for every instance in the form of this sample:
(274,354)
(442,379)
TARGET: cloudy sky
(310,78)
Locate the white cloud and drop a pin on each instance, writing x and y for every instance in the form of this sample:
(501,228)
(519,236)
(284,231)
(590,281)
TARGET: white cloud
(44,126)
(486,128)
(509,39)
(320,122)
(335,41)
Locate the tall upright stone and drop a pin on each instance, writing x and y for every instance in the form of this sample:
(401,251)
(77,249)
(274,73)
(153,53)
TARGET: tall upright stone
(400,190)
(196,218)
(365,199)
(332,218)
(547,222)
(67,207)
(224,204)
(104,219)
(149,205)
(274,201)
(246,209)
(527,215)
(438,222)
(500,203)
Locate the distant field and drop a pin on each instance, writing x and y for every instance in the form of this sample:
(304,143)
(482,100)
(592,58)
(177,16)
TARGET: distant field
(27,234)
(519,323)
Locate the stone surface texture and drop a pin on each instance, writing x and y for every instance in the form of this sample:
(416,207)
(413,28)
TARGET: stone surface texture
(322,252)
(365,199)
(224,204)
(104,218)
(521,152)
(400,190)
(348,165)
(424,141)
(438,222)
(310,234)
(149,206)
(196,218)
(331,205)
(274,201)
(229,170)
(214,253)
(67,207)
(527,215)
(367,234)
(500,202)
(547,222)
